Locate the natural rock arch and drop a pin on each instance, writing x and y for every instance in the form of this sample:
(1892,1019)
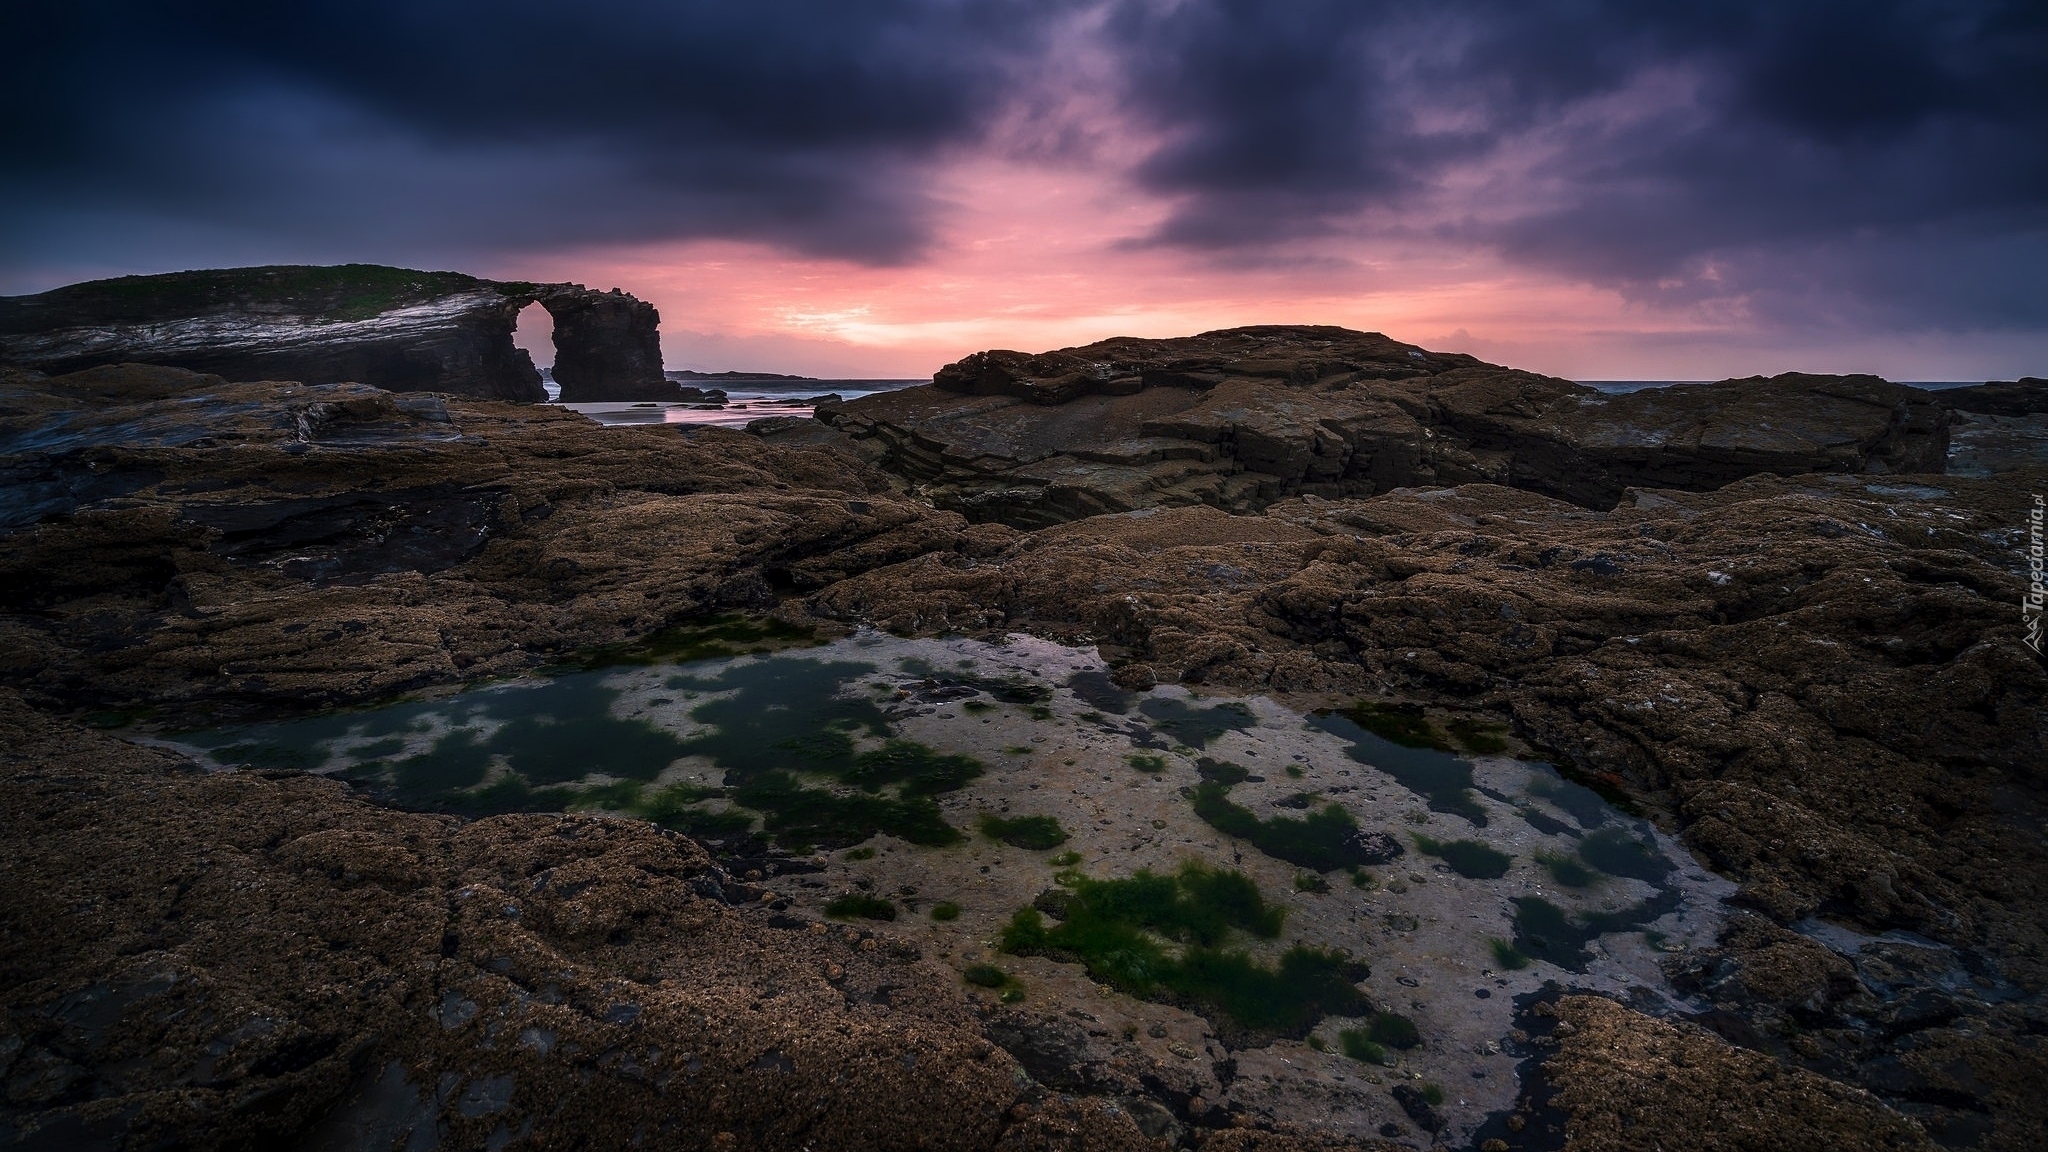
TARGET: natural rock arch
(607,345)
(396,328)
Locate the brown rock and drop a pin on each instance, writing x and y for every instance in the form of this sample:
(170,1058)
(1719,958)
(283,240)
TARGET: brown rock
(222,960)
(1238,419)
(1797,668)
(2027,396)
(305,544)
(1629,1082)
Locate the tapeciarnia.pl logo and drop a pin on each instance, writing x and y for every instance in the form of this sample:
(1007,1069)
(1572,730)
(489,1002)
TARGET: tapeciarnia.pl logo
(2037,582)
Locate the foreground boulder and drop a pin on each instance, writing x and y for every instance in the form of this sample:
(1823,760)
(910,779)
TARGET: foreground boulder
(226,961)
(395,328)
(1238,419)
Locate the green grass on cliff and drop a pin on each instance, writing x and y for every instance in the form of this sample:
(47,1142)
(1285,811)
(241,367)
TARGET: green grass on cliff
(340,293)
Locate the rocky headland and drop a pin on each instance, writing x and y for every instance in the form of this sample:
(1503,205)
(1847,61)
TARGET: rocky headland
(1760,613)
(403,330)
(1243,418)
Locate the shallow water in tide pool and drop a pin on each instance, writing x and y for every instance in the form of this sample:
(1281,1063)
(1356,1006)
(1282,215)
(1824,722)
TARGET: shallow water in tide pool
(1196,878)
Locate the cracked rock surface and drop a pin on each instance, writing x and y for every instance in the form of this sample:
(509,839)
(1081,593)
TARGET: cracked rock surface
(1812,671)
(1241,418)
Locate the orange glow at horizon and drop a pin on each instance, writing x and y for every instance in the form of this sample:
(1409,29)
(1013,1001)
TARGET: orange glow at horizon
(1032,257)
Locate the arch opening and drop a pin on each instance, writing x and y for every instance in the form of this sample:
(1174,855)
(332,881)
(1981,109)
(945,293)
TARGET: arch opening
(533,332)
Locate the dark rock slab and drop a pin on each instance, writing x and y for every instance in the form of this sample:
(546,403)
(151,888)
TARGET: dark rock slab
(607,346)
(2026,396)
(1241,418)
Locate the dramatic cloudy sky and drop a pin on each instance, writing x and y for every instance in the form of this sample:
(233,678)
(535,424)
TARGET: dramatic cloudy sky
(1596,188)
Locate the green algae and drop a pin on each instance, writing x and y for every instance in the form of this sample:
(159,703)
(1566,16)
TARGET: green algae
(1567,871)
(673,808)
(914,768)
(1356,1044)
(1404,724)
(1195,905)
(802,818)
(1579,802)
(457,760)
(1544,931)
(749,723)
(1443,781)
(1616,853)
(1323,840)
(1478,737)
(780,714)
(1036,833)
(985,976)
(1221,771)
(1194,725)
(1393,1030)
(1124,932)
(1468,858)
(860,905)
(812,766)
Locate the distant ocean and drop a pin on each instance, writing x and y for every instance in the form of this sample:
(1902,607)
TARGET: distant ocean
(747,399)
(754,398)
(1619,386)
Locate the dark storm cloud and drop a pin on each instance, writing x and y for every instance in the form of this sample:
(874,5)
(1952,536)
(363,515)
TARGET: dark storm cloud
(471,125)
(1844,160)
(1856,162)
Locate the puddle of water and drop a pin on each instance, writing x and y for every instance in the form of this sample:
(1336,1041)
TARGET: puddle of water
(1202,880)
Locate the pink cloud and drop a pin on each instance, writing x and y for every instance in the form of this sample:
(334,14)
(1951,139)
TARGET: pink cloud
(1038,254)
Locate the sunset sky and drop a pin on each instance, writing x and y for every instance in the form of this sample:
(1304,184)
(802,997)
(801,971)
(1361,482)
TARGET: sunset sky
(1592,188)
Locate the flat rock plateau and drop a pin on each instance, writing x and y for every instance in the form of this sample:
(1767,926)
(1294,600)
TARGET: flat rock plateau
(1281,738)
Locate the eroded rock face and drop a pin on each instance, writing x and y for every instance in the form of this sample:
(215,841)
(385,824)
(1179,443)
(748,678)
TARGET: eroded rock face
(1821,679)
(394,540)
(393,328)
(229,961)
(2026,396)
(1241,418)
(607,346)
(1614,1070)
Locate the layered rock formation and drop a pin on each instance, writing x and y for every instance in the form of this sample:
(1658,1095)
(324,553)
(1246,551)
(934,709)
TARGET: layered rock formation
(2026,396)
(607,347)
(1241,418)
(393,328)
(1818,681)
(433,541)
